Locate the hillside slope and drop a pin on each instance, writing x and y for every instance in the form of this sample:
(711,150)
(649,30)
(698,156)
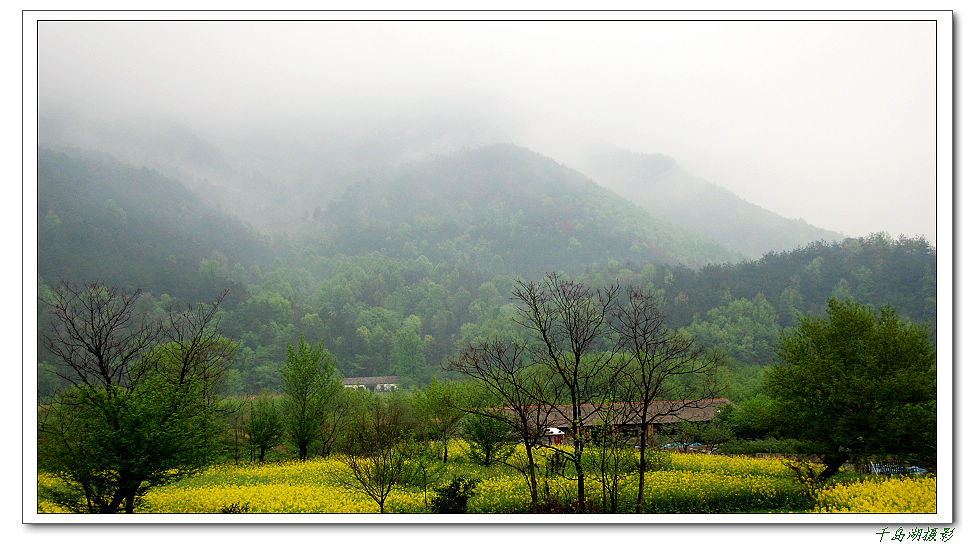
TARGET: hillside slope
(505,203)
(662,187)
(101,219)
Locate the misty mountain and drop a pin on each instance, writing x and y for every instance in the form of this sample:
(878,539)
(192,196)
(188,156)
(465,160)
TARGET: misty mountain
(99,218)
(498,209)
(266,176)
(508,209)
(671,193)
(274,178)
(438,243)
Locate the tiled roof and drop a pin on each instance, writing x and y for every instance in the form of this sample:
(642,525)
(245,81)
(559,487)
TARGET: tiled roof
(370,380)
(622,413)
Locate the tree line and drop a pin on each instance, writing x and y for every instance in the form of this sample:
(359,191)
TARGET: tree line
(425,283)
(382,315)
(144,405)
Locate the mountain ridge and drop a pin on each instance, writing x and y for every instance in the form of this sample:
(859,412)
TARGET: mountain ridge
(306,167)
(663,187)
(520,204)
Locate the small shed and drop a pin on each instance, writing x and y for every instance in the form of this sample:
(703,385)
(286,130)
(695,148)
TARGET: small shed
(554,435)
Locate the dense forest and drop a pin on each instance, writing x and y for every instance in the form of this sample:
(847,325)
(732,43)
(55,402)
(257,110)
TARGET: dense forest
(405,267)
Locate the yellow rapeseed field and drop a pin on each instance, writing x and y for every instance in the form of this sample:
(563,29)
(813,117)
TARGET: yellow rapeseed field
(688,483)
(44,506)
(729,464)
(312,486)
(895,494)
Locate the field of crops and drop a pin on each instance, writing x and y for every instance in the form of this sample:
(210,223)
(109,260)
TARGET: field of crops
(896,494)
(681,483)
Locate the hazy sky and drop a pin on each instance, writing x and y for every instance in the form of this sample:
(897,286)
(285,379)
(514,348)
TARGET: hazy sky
(833,122)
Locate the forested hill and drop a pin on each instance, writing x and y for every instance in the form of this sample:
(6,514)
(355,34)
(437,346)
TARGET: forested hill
(662,187)
(741,308)
(875,269)
(407,267)
(100,219)
(506,209)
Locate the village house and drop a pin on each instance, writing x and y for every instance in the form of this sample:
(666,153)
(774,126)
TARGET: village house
(377,384)
(624,418)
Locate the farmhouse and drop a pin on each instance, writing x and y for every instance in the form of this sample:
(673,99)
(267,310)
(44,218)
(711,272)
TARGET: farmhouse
(625,417)
(378,384)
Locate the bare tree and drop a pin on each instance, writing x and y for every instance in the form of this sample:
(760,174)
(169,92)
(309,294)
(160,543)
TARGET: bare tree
(661,365)
(613,451)
(335,418)
(569,323)
(98,336)
(504,371)
(377,450)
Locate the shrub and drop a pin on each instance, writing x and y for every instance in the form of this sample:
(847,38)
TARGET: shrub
(452,498)
(767,445)
(235,508)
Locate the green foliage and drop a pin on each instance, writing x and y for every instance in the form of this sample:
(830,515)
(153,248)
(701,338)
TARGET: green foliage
(739,382)
(438,409)
(452,498)
(856,383)
(500,205)
(491,440)
(367,269)
(407,353)
(264,425)
(100,218)
(378,448)
(746,330)
(709,433)
(308,383)
(424,468)
(141,409)
(763,445)
(751,418)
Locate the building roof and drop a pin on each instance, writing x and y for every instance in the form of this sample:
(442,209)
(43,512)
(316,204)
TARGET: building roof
(370,380)
(622,413)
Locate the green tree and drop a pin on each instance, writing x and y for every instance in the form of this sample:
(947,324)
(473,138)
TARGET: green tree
(743,329)
(437,406)
(709,433)
(141,406)
(308,383)
(407,352)
(491,440)
(452,497)
(752,418)
(857,383)
(264,424)
(611,453)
